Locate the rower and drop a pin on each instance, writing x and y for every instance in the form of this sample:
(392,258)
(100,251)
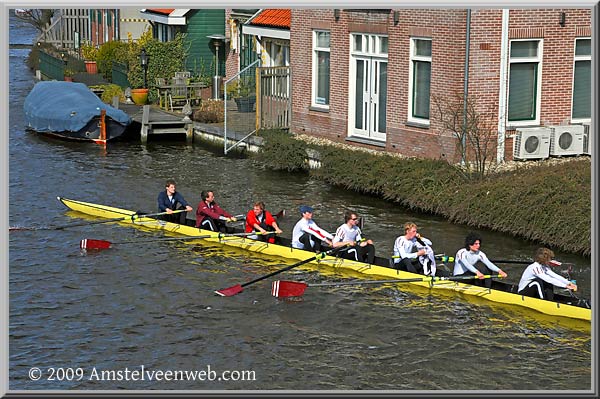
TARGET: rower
(470,256)
(349,233)
(170,200)
(405,258)
(307,234)
(260,220)
(210,216)
(538,280)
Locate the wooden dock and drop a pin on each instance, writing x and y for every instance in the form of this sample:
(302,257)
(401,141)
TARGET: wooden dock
(155,121)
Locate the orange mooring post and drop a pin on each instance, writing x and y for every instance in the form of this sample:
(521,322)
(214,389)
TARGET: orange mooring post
(102,139)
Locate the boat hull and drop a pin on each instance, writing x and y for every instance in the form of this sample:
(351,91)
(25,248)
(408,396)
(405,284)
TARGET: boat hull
(90,132)
(72,111)
(564,309)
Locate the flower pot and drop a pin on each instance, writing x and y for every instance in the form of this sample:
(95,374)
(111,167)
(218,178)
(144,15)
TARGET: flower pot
(91,67)
(68,78)
(245,104)
(139,96)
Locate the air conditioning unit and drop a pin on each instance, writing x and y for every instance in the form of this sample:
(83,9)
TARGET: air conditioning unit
(532,143)
(566,140)
(587,139)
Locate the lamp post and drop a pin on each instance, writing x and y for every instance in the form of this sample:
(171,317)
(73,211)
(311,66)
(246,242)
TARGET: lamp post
(144,58)
(216,40)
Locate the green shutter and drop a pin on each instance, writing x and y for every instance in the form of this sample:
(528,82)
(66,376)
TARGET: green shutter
(421,89)
(582,90)
(522,91)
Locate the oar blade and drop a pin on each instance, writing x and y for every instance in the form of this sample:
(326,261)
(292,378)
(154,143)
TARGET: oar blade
(89,243)
(231,291)
(284,289)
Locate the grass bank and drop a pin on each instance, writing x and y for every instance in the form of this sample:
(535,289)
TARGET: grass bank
(549,203)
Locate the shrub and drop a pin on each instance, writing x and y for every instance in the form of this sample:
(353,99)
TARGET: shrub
(89,52)
(107,53)
(110,91)
(210,111)
(280,151)
(549,204)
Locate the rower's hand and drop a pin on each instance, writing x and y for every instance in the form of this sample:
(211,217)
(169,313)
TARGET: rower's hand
(480,275)
(572,286)
(502,273)
(233,219)
(278,231)
(189,208)
(169,211)
(329,242)
(422,252)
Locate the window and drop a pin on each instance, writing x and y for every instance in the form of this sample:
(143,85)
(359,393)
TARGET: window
(321,51)
(420,80)
(582,81)
(524,82)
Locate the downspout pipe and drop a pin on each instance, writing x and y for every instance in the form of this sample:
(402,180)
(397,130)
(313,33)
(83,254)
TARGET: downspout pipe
(466,89)
(502,101)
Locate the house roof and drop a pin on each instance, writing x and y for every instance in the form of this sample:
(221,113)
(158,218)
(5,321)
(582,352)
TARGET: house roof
(167,16)
(270,22)
(273,17)
(165,11)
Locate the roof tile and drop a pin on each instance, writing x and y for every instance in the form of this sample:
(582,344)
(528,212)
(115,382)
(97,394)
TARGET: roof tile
(275,17)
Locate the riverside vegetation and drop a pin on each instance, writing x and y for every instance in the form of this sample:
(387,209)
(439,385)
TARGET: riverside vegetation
(549,203)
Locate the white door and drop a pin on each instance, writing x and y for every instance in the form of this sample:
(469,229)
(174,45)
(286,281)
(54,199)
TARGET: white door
(368,96)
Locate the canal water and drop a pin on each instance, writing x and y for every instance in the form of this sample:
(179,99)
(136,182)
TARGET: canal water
(77,317)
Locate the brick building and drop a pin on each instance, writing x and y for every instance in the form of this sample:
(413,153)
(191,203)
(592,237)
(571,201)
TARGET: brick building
(370,77)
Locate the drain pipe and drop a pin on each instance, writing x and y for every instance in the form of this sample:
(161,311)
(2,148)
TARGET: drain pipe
(502,113)
(466,90)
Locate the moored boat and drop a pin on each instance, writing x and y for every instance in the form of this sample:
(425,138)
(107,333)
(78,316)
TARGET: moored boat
(501,292)
(72,111)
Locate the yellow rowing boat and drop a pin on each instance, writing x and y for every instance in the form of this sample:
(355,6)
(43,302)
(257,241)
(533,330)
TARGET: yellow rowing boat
(501,292)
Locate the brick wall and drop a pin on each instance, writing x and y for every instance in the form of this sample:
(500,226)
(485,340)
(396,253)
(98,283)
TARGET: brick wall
(447,29)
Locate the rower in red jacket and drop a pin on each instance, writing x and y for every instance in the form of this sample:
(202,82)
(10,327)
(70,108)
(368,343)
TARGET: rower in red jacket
(210,216)
(260,220)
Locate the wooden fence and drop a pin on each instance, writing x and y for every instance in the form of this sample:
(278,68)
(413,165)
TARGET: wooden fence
(68,29)
(119,74)
(274,93)
(51,67)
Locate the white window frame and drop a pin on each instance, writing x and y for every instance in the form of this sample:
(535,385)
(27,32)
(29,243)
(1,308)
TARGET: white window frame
(538,93)
(575,59)
(371,46)
(412,59)
(315,77)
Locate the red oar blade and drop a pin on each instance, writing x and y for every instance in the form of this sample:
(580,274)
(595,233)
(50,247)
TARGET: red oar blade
(231,291)
(89,243)
(284,289)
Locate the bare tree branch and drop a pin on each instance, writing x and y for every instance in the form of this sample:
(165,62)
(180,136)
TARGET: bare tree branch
(38,18)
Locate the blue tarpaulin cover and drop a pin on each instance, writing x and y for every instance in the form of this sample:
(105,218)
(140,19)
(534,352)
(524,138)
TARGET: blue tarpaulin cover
(56,106)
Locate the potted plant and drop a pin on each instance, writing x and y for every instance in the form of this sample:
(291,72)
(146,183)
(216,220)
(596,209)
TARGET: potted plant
(243,92)
(90,56)
(68,73)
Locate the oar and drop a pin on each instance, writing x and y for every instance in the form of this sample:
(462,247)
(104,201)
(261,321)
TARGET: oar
(90,243)
(245,234)
(553,262)
(132,217)
(441,257)
(236,289)
(282,288)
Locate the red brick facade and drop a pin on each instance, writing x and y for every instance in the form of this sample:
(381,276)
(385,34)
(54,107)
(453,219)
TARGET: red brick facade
(447,30)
